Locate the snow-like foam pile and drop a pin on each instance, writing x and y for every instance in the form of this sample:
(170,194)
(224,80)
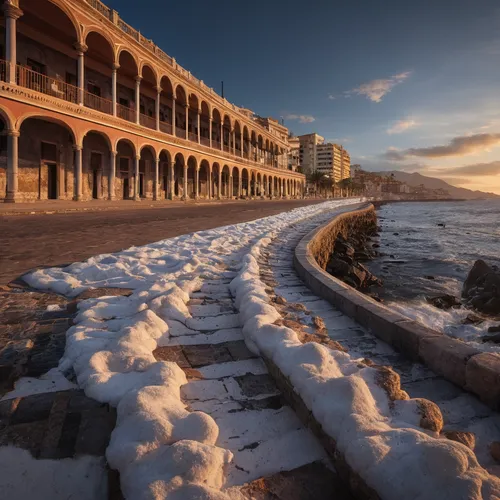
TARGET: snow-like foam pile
(159,447)
(380,439)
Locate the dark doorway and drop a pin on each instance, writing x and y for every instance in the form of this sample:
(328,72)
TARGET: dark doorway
(95,166)
(126,188)
(141,185)
(52,181)
(94,184)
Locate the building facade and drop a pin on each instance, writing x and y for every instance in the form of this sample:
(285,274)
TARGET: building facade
(331,159)
(91,109)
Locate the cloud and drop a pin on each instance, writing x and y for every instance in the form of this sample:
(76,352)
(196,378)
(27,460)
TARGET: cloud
(301,118)
(492,168)
(377,89)
(401,126)
(458,146)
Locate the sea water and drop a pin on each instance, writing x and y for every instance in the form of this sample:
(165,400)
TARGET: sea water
(427,249)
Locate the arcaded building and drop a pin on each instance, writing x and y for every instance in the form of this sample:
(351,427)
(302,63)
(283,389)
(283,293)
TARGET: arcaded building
(91,109)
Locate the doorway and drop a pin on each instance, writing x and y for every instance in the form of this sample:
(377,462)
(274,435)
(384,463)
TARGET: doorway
(126,188)
(141,185)
(96,168)
(52,181)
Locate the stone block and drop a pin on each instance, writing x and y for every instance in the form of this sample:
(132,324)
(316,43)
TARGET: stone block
(173,354)
(408,336)
(382,322)
(447,357)
(256,385)
(95,430)
(203,355)
(33,408)
(28,436)
(239,350)
(483,378)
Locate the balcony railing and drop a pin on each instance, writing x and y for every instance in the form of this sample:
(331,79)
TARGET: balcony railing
(103,9)
(3,70)
(147,121)
(180,132)
(216,144)
(205,141)
(193,137)
(98,103)
(166,127)
(226,148)
(125,113)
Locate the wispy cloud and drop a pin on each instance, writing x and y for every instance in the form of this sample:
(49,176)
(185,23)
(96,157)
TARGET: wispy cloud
(401,126)
(458,146)
(375,90)
(491,168)
(301,118)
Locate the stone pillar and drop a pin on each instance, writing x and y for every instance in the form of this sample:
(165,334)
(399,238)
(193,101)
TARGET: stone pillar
(157,107)
(173,117)
(230,187)
(187,121)
(172,181)
(12,14)
(112,175)
(233,138)
(78,173)
(157,179)
(210,130)
(221,136)
(114,85)
(184,194)
(240,184)
(138,79)
(196,182)
(210,183)
(12,166)
(199,127)
(241,144)
(81,48)
(137,196)
(219,186)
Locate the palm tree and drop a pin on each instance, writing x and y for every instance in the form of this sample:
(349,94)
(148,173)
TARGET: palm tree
(314,178)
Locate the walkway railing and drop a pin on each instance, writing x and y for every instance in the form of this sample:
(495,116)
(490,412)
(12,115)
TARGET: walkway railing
(32,80)
(3,70)
(180,132)
(103,9)
(205,141)
(125,113)
(98,103)
(147,121)
(193,137)
(166,127)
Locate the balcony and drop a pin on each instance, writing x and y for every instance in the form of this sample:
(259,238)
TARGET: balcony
(37,82)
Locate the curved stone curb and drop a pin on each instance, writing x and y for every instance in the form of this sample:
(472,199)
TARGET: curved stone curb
(456,361)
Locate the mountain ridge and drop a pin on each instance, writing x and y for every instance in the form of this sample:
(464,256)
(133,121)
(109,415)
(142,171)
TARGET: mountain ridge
(415,179)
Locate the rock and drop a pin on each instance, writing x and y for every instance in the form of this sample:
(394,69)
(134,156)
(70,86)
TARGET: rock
(472,319)
(494,329)
(466,438)
(495,450)
(390,381)
(429,277)
(481,289)
(444,302)
(376,245)
(395,234)
(343,247)
(431,417)
(491,338)
(442,225)
(280,300)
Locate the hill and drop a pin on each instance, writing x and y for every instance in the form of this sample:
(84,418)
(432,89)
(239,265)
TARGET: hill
(416,179)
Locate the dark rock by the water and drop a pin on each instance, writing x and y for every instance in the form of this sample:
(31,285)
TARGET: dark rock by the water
(444,302)
(429,277)
(396,234)
(491,338)
(442,225)
(481,289)
(376,245)
(472,319)
(494,329)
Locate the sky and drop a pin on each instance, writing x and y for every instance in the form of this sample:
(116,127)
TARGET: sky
(403,85)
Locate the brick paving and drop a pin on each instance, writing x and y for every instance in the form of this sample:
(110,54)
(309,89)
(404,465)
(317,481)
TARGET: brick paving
(29,241)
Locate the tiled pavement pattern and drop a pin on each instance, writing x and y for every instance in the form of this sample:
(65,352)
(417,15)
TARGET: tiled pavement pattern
(273,453)
(461,410)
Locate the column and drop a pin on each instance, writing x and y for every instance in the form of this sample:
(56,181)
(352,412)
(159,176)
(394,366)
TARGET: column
(172,182)
(138,79)
(241,143)
(234,141)
(210,130)
(157,107)
(210,183)
(240,184)
(173,116)
(230,190)
(112,174)
(187,121)
(196,182)
(199,127)
(219,186)
(114,85)
(81,48)
(78,173)
(221,136)
(137,196)
(184,194)
(157,179)
(12,14)
(12,166)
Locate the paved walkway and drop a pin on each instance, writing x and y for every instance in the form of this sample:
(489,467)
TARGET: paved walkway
(63,238)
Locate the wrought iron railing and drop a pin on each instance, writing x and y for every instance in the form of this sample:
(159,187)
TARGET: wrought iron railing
(125,113)
(98,103)
(147,121)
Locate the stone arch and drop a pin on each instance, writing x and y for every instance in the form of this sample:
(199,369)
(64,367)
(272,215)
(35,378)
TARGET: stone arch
(226,133)
(126,154)
(94,35)
(237,137)
(147,167)
(50,11)
(179,173)
(146,68)
(8,118)
(127,60)
(192,167)
(165,188)
(236,187)
(226,181)
(258,186)
(205,123)
(193,110)
(215,180)
(37,115)
(216,128)
(245,183)
(96,165)
(204,179)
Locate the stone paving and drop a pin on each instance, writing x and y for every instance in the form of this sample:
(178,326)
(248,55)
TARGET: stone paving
(461,410)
